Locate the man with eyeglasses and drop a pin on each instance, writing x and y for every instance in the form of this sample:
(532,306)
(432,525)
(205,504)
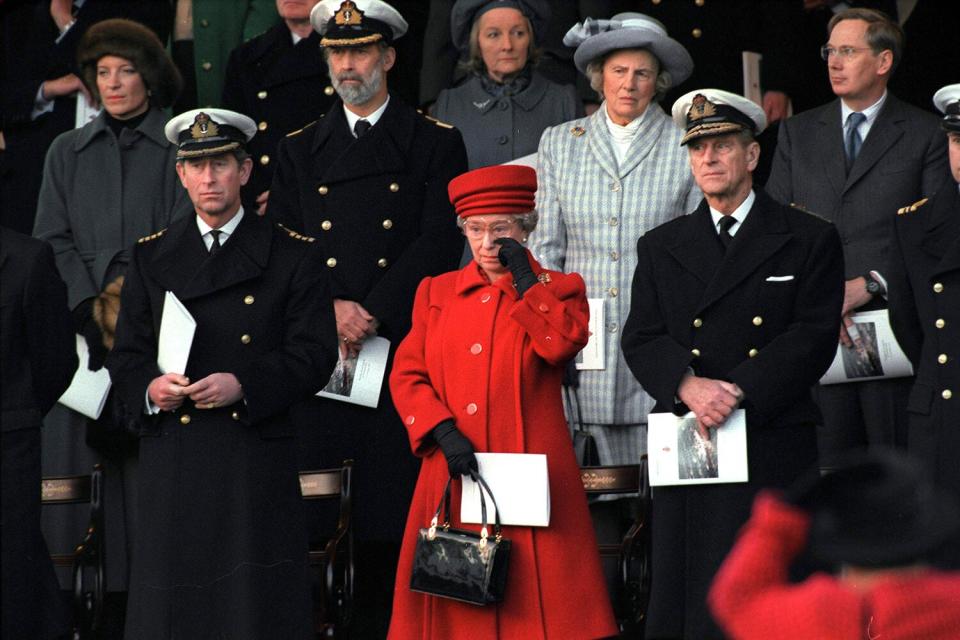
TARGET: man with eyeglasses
(854,161)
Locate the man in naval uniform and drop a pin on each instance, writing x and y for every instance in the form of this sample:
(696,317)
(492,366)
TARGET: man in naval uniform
(925,313)
(369,181)
(734,305)
(224,548)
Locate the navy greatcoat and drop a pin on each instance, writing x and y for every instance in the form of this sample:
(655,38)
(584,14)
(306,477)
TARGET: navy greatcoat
(924,285)
(379,210)
(282,86)
(722,315)
(223,550)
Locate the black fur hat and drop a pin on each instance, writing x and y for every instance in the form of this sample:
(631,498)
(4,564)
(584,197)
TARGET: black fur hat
(138,44)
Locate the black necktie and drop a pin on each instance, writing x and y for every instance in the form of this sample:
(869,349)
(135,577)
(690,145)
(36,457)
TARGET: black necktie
(725,223)
(215,245)
(361,127)
(853,141)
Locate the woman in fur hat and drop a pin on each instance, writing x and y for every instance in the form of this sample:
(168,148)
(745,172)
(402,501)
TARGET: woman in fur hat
(105,185)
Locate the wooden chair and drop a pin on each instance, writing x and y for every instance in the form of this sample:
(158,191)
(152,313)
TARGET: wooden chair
(632,554)
(88,557)
(334,561)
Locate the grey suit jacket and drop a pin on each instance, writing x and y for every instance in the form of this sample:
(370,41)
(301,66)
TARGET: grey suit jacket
(903,158)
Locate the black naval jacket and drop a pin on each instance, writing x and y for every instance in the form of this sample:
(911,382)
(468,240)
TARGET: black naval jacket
(378,205)
(283,87)
(924,297)
(764,316)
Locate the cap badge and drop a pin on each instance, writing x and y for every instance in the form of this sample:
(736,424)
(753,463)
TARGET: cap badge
(348,15)
(204,127)
(701,108)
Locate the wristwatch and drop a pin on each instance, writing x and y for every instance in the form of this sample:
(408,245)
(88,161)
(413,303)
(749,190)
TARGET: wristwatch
(874,287)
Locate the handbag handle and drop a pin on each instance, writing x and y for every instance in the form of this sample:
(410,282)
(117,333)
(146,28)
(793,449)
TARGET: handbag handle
(444,505)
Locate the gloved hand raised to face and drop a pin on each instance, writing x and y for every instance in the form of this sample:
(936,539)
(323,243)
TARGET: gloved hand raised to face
(513,256)
(456,448)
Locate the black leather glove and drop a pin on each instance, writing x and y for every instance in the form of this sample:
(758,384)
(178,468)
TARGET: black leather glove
(514,257)
(85,325)
(456,449)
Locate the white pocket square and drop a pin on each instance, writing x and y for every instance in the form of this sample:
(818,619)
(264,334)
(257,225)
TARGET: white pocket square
(779,278)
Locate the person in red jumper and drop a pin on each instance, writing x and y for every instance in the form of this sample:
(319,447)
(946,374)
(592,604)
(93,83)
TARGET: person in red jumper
(877,519)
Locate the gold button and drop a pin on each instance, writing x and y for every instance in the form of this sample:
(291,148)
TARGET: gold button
(752,353)
(323,190)
(947,394)
(206,66)
(388,224)
(235,415)
(394,187)
(695,352)
(331,262)
(938,287)
(328,90)
(247,299)
(185,419)
(940,323)
(264,160)
(472,408)
(262,95)
(245,338)
(262,126)
(614,291)
(697,322)
(382,263)
(942,358)
(326,225)
(656,1)
(757,321)
(476,348)
(699,3)
(204,23)
(696,32)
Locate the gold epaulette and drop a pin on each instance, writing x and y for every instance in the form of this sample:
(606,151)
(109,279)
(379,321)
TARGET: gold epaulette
(152,236)
(296,236)
(916,205)
(302,129)
(439,123)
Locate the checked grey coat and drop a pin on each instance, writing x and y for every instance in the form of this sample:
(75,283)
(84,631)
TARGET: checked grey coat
(591,214)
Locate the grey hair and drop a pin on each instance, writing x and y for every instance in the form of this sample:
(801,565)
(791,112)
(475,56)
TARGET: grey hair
(594,74)
(527,221)
(474,63)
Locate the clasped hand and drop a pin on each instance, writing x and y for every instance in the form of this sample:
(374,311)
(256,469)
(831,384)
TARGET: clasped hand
(712,401)
(216,390)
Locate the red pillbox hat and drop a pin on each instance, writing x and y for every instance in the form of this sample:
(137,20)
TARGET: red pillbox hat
(493,190)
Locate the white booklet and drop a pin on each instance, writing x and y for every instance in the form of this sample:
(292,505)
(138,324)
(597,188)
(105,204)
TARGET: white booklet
(177,327)
(519,482)
(875,352)
(679,452)
(88,390)
(591,356)
(358,379)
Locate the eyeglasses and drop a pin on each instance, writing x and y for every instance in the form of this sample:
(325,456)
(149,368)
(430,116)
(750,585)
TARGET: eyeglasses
(477,230)
(847,53)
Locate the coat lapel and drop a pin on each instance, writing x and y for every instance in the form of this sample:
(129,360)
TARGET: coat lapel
(179,256)
(598,141)
(647,137)
(947,232)
(830,141)
(697,247)
(883,134)
(763,233)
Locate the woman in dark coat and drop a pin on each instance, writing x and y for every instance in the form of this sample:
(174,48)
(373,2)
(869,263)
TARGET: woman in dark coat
(481,370)
(504,106)
(105,185)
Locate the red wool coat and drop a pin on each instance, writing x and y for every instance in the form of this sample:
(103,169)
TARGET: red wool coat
(494,365)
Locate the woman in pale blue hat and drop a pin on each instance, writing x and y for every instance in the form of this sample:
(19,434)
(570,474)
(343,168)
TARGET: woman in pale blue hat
(505,104)
(604,181)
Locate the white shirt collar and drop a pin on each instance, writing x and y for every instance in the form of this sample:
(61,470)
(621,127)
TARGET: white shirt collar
(870,112)
(372,118)
(296,38)
(740,213)
(225,231)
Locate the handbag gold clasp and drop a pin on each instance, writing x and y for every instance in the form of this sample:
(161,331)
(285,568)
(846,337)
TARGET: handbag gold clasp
(432,531)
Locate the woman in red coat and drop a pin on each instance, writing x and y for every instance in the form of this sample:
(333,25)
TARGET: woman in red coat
(481,370)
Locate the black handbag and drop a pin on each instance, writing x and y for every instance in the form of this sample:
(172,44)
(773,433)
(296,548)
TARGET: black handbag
(584,446)
(458,564)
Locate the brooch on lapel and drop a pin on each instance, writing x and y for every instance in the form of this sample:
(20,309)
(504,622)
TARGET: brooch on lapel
(481,105)
(577,131)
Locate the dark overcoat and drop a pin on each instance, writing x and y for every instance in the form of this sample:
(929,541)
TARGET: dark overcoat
(37,361)
(924,286)
(223,550)
(379,209)
(282,86)
(726,318)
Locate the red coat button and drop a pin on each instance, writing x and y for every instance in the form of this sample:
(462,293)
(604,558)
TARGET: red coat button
(544,308)
(476,348)
(471,408)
